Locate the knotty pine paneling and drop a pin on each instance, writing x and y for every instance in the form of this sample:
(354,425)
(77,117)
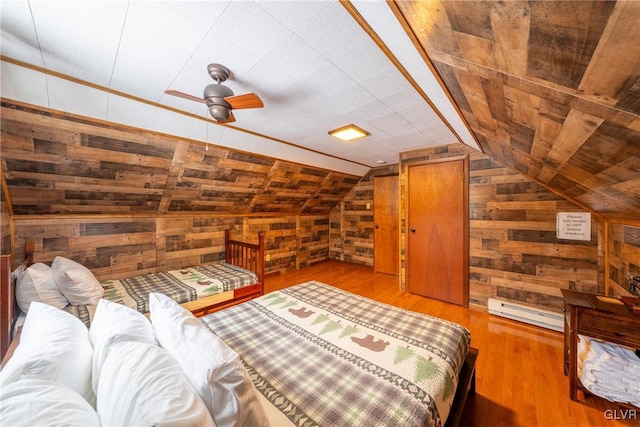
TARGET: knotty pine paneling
(513,251)
(351,222)
(623,247)
(55,163)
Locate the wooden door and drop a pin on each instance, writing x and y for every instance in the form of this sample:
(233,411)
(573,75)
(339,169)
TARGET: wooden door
(437,230)
(386,238)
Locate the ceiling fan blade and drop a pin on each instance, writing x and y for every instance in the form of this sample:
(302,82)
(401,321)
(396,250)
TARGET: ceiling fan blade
(248,100)
(184,95)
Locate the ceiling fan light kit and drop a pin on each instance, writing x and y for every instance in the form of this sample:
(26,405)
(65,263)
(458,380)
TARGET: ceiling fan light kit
(220,99)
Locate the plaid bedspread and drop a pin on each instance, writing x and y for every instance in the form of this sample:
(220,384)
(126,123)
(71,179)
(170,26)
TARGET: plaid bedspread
(326,357)
(185,284)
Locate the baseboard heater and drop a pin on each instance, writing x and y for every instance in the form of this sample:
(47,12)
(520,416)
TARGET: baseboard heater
(527,314)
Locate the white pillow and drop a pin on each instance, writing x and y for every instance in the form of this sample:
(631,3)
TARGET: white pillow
(33,402)
(142,385)
(212,367)
(76,282)
(112,323)
(36,283)
(54,345)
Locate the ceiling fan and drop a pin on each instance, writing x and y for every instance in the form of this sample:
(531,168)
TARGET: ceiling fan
(219,98)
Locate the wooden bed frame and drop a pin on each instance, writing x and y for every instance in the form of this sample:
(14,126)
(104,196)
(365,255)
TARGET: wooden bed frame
(8,306)
(249,256)
(466,388)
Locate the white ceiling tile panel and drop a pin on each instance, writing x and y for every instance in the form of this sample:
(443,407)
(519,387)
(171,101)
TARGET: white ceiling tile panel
(270,82)
(232,139)
(329,81)
(290,15)
(333,32)
(198,13)
(171,123)
(86,30)
(297,58)
(211,133)
(150,55)
(84,100)
(23,84)
(251,28)
(255,144)
(129,112)
(367,65)
(354,98)
(19,39)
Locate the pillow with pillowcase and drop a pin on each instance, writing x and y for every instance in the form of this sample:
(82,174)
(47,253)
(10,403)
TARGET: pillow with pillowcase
(212,367)
(54,345)
(76,282)
(37,402)
(142,385)
(36,283)
(114,322)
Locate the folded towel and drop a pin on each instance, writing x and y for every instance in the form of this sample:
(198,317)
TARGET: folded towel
(609,370)
(613,396)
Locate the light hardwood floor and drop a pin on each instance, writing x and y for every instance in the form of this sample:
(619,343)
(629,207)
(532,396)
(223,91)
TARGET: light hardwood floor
(519,374)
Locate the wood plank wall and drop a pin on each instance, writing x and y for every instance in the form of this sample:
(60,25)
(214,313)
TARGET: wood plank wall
(351,222)
(117,247)
(58,163)
(623,248)
(125,201)
(514,254)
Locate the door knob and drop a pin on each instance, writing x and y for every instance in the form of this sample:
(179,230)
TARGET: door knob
(413,230)
(377,226)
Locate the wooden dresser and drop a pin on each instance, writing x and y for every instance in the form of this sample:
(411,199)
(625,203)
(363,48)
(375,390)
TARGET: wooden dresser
(599,317)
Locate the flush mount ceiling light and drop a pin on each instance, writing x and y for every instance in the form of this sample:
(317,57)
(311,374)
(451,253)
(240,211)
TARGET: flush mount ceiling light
(349,133)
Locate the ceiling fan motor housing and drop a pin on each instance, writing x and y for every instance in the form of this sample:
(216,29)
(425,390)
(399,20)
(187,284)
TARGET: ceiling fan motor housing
(219,109)
(215,90)
(214,95)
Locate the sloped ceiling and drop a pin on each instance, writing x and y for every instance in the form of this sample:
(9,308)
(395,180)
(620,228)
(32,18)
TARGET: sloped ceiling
(548,88)
(551,89)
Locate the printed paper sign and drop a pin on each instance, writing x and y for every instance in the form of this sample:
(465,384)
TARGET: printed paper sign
(573,225)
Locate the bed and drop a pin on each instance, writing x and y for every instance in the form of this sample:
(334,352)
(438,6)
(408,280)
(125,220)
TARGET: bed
(330,357)
(203,288)
(318,355)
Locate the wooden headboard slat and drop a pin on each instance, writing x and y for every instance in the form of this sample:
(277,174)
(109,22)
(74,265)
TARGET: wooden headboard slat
(8,310)
(7,304)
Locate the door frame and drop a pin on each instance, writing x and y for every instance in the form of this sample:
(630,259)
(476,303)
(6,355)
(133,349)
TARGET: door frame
(465,219)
